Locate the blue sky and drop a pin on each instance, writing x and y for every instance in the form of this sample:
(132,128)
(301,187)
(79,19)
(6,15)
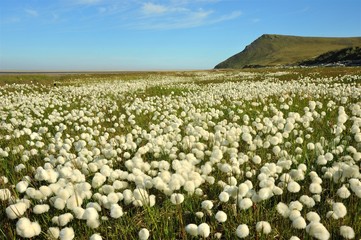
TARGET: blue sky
(68,35)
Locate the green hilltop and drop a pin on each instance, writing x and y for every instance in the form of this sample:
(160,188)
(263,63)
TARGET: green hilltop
(281,50)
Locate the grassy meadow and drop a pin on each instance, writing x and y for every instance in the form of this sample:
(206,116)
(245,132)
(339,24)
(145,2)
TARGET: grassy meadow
(221,154)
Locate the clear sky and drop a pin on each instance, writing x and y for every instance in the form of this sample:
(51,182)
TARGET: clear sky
(68,35)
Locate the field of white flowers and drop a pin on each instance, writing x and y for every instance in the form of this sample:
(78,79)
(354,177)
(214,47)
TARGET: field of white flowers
(215,155)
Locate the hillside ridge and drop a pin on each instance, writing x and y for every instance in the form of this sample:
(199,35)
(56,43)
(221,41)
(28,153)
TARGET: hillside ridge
(280,50)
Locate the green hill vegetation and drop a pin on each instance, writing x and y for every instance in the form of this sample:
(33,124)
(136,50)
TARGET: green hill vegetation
(346,56)
(280,50)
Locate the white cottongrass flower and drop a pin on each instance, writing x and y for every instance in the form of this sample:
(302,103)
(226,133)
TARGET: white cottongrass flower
(294,238)
(294,214)
(221,216)
(199,214)
(16,210)
(92,217)
(78,212)
(62,219)
(53,233)
(189,186)
(315,188)
(274,140)
(27,229)
(19,168)
(317,197)
(283,209)
(357,156)
(318,231)
(316,179)
(293,187)
(177,198)
(95,236)
(347,232)
(116,211)
(218,235)
(59,203)
(308,201)
(295,205)
(113,197)
(277,190)
(5,194)
(143,234)
(98,180)
(355,186)
(256,159)
(245,203)
(247,137)
(343,192)
(310,146)
(313,217)
(242,231)
(265,193)
(4,180)
(66,233)
(204,230)
(243,189)
(299,223)
(192,229)
(41,208)
(339,210)
(321,160)
(263,227)
(207,204)
(223,196)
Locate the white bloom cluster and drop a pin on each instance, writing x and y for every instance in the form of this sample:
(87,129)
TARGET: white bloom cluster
(27,229)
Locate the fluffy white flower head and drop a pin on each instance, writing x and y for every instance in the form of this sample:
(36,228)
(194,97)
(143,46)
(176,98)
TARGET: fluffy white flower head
(16,210)
(242,231)
(347,232)
(143,234)
(5,194)
(294,238)
(53,232)
(313,217)
(66,233)
(343,192)
(339,210)
(263,227)
(177,198)
(299,223)
(192,229)
(315,188)
(283,209)
(207,204)
(221,216)
(204,230)
(27,229)
(95,236)
(293,187)
(318,231)
(245,203)
(223,196)
(116,211)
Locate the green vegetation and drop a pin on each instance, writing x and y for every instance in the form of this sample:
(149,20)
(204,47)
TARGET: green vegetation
(277,50)
(347,56)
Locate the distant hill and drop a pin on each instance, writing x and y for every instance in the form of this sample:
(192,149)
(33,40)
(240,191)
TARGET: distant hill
(276,50)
